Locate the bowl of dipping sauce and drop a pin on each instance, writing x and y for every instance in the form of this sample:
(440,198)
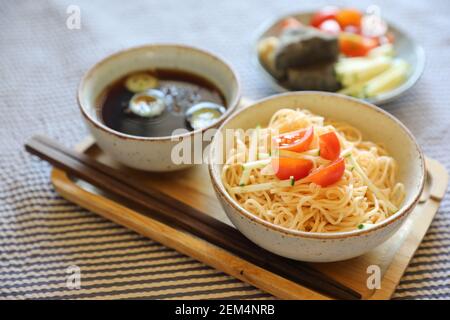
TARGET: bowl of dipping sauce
(141,102)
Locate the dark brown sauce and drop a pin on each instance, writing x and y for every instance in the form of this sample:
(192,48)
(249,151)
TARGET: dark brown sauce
(182,90)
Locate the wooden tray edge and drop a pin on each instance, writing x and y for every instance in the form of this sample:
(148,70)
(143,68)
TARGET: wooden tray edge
(240,268)
(181,241)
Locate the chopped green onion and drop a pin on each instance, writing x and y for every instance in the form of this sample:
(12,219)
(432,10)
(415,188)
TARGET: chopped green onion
(365,225)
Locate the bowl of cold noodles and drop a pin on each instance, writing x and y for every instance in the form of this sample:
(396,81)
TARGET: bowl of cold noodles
(316,176)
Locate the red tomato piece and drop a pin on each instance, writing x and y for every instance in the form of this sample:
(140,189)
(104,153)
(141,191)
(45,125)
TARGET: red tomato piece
(297,141)
(330,148)
(349,17)
(328,175)
(326,13)
(330,26)
(354,45)
(288,167)
(290,23)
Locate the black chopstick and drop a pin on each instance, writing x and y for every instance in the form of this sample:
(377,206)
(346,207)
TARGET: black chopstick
(174,212)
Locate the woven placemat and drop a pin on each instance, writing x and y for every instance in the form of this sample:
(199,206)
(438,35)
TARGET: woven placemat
(42,235)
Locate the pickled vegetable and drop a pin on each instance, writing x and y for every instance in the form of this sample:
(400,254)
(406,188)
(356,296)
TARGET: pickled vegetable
(388,80)
(352,71)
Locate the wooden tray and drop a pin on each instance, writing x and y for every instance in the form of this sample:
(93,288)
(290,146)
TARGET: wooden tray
(193,187)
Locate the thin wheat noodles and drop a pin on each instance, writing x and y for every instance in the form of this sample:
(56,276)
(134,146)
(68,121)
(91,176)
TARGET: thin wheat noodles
(366,194)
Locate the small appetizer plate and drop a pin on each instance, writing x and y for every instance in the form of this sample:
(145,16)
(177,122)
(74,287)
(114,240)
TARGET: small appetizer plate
(404,46)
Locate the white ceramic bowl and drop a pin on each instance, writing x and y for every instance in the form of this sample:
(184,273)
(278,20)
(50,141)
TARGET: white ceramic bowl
(151,153)
(376,125)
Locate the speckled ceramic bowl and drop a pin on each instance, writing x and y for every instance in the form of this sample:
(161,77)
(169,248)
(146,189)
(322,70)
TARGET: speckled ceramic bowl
(376,125)
(151,153)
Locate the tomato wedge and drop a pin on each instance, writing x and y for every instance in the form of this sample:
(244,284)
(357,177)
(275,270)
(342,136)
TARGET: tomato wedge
(330,148)
(355,45)
(329,174)
(289,167)
(297,141)
(349,16)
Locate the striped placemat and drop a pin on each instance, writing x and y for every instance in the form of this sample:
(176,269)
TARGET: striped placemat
(42,245)
(43,237)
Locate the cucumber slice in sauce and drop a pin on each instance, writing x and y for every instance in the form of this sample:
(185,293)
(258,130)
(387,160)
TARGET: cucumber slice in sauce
(204,114)
(148,104)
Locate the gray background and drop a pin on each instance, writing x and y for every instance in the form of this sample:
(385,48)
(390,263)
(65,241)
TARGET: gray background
(41,62)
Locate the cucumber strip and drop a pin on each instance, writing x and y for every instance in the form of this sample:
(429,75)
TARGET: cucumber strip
(355,90)
(249,166)
(347,65)
(362,70)
(387,80)
(391,207)
(263,186)
(253,146)
(343,62)
(256,164)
